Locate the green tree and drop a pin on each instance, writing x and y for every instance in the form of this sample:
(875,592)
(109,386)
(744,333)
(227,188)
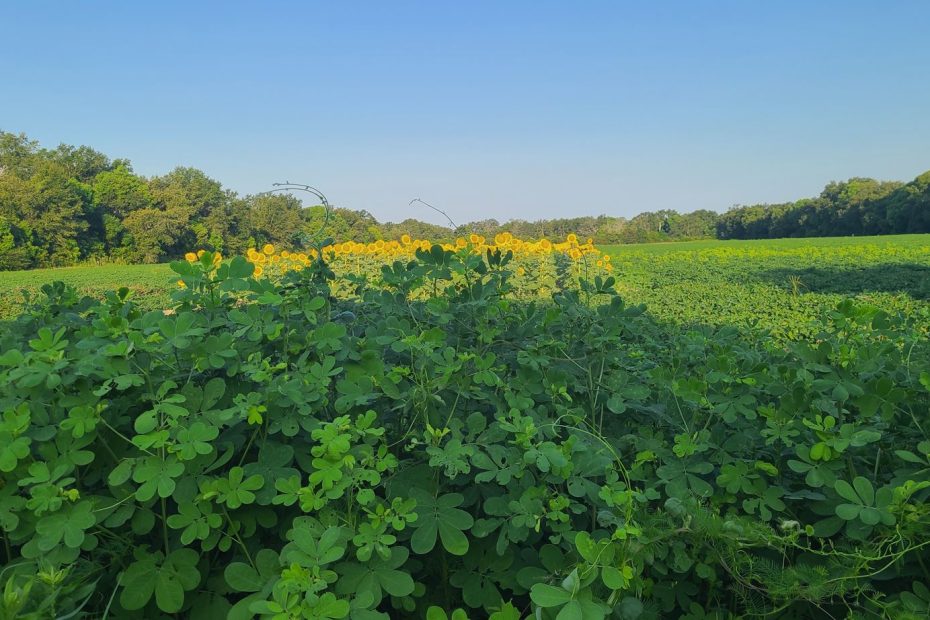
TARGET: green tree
(119,192)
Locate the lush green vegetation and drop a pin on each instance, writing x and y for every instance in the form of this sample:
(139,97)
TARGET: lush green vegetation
(782,286)
(69,205)
(149,285)
(433,444)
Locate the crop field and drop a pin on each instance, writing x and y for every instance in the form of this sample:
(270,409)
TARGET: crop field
(781,285)
(149,284)
(492,428)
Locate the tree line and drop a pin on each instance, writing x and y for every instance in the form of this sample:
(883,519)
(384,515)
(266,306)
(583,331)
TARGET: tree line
(71,204)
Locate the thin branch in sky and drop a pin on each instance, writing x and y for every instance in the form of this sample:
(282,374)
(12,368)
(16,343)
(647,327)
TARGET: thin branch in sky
(454,226)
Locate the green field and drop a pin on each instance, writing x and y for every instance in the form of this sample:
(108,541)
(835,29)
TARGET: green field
(150,284)
(779,284)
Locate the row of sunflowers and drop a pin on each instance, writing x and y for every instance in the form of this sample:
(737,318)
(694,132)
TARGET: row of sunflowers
(385,252)
(538,267)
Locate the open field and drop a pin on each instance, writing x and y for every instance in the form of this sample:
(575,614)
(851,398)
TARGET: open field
(780,285)
(149,284)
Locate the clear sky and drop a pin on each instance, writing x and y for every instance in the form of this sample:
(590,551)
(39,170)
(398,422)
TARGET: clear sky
(520,109)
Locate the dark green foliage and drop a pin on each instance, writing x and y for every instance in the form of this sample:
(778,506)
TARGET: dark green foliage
(267,450)
(854,207)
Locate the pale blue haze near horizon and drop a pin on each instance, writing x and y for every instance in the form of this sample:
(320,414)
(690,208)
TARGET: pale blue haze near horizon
(488,109)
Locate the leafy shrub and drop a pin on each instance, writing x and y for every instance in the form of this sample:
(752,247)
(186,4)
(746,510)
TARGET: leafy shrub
(265,449)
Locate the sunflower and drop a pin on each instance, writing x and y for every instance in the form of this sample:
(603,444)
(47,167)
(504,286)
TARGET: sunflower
(190,257)
(268,249)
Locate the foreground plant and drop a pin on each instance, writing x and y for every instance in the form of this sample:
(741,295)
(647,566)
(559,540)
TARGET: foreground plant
(439,446)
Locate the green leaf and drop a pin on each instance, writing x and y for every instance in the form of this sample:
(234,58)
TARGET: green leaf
(848,512)
(864,490)
(846,491)
(424,537)
(572,611)
(138,583)
(243,578)
(545,595)
(453,539)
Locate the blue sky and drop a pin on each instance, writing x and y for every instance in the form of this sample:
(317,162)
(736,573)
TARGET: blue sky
(488,109)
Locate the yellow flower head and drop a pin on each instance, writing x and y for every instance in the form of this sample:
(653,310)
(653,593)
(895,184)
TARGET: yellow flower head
(405,239)
(572,238)
(181,284)
(190,257)
(268,249)
(200,253)
(258,271)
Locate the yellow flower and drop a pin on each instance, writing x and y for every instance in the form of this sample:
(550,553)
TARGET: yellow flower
(572,238)
(405,239)
(268,249)
(258,271)
(473,238)
(520,271)
(190,257)
(285,253)
(181,284)
(200,253)
(217,258)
